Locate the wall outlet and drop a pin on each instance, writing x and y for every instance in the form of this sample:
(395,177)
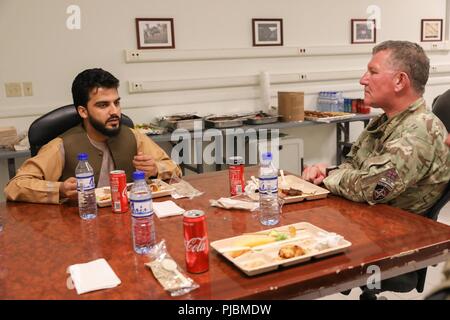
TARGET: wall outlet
(134,87)
(13,89)
(27,89)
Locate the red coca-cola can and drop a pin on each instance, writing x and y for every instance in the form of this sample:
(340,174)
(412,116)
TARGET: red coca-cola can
(236,173)
(119,197)
(354,105)
(196,241)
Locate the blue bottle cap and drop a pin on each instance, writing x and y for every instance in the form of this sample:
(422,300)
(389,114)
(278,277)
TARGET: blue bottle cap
(267,156)
(138,175)
(82,156)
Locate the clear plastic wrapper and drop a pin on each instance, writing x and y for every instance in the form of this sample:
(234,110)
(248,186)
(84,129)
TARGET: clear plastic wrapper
(241,201)
(166,271)
(183,189)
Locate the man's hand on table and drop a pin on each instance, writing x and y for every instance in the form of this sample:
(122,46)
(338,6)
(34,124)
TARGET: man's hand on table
(144,162)
(315,173)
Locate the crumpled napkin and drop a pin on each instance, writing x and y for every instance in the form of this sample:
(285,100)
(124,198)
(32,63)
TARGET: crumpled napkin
(325,240)
(228,203)
(167,209)
(183,189)
(92,276)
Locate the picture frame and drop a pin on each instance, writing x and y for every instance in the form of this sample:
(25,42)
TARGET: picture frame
(431,30)
(363,31)
(155,33)
(267,32)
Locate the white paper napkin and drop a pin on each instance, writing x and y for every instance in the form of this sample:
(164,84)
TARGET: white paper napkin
(229,203)
(94,275)
(166,209)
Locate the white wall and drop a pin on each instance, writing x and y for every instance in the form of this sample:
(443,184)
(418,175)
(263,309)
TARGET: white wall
(37,46)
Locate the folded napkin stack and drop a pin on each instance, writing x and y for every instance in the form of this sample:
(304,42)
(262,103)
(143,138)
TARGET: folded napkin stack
(167,209)
(92,276)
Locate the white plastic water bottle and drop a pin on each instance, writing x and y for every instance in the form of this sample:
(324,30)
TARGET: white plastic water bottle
(319,101)
(269,207)
(87,204)
(341,105)
(326,101)
(142,224)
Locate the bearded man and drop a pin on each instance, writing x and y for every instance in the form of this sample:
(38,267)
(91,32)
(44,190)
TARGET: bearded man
(49,176)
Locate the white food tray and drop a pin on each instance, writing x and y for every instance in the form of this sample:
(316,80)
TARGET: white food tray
(311,191)
(103,195)
(265,258)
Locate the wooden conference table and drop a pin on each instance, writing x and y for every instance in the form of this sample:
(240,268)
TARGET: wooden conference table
(39,242)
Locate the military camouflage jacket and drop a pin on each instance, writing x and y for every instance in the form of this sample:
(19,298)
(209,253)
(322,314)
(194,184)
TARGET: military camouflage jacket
(402,161)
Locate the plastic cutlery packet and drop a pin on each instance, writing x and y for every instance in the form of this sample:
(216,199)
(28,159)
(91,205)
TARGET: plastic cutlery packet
(168,273)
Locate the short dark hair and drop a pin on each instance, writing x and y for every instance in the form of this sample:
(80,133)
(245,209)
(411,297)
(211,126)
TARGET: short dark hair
(88,80)
(410,58)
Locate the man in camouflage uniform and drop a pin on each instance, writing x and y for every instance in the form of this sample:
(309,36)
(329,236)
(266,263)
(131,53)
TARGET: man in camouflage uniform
(401,158)
(402,161)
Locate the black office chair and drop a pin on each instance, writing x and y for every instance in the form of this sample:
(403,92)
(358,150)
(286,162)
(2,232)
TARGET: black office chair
(433,213)
(56,122)
(441,108)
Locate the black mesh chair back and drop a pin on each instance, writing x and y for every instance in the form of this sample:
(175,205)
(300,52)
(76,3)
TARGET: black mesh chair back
(441,108)
(436,208)
(56,122)
(433,213)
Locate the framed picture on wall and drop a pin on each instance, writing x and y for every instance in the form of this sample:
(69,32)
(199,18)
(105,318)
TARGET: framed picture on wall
(431,30)
(363,31)
(155,33)
(267,32)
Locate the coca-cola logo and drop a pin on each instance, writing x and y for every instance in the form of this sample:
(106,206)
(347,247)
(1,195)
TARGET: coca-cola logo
(196,244)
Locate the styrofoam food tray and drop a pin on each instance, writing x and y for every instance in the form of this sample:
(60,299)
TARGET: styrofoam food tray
(103,195)
(264,258)
(311,191)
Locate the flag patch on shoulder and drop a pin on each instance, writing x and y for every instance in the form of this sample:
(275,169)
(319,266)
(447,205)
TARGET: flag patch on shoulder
(385,185)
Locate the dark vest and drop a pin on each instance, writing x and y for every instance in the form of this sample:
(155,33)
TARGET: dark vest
(123,148)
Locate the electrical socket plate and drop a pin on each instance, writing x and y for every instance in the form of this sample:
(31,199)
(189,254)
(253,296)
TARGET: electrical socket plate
(13,89)
(27,89)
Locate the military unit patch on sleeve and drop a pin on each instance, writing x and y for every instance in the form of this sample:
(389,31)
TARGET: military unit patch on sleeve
(385,185)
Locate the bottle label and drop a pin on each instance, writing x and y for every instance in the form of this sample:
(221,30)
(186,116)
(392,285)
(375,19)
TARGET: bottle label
(141,208)
(85,183)
(268,185)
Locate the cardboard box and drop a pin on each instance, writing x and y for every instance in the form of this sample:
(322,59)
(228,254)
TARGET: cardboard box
(8,136)
(291,106)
